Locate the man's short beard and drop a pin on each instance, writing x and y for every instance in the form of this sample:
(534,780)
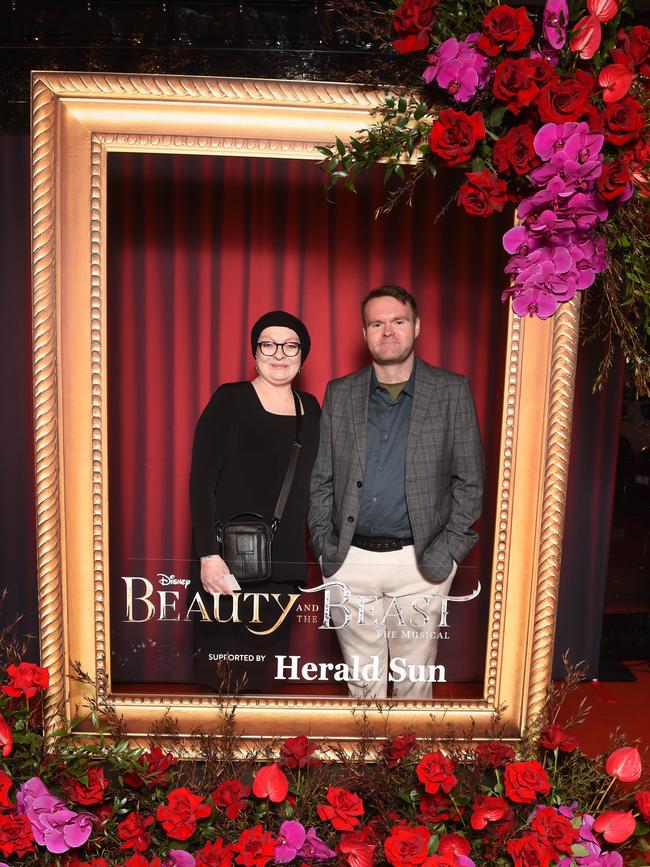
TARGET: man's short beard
(399,359)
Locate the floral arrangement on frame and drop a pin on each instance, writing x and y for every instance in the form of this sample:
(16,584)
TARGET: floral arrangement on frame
(400,800)
(546,110)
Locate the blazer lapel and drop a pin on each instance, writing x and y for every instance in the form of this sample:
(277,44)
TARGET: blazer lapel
(425,391)
(359,395)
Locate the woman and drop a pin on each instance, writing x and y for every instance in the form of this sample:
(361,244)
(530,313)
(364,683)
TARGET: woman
(242,445)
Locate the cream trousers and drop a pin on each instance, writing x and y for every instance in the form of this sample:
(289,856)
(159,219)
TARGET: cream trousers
(388,627)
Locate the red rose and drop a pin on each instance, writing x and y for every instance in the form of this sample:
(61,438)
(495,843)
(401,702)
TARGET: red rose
(97,861)
(255,847)
(615,827)
(270,782)
(454,844)
(104,812)
(482,194)
(91,792)
(397,748)
(636,45)
(6,738)
(436,807)
(586,80)
(217,854)
(342,808)
(494,837)
(624,764)
(623,121)
(528,852)
(133,833)
(525,780)
(488,809)
(454,135)
(436,772)
(180,815)
(231,795)
(16,836)
(620,57)
(413,19)
(296,753)
(494,753)
(5,785)
(638,157)
(358,847)
(152,769)
(554,830)
(407,846)
(140,861)
(562,101)
(554,738)
(593,118)
(26,679)
(614,180)
(514,84)
(505,27)
(541,70)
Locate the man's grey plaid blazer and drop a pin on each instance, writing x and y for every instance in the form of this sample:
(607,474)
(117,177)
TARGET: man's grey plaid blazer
(444,469)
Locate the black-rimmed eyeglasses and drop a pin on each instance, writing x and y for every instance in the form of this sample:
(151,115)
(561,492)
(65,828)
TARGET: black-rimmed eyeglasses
(270,347)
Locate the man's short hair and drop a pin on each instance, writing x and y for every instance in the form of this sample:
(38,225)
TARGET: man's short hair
(390,291)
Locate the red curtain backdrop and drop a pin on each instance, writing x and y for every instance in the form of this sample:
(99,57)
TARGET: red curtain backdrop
(199,247)
(453,244)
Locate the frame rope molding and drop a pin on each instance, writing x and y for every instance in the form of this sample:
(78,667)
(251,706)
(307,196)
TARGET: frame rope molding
(503,508)
(239,90)
(48,516)
(564,357)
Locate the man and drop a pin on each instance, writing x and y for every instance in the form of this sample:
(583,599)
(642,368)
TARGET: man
(395,490)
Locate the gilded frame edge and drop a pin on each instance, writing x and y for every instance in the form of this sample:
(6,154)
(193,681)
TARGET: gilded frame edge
(76,118)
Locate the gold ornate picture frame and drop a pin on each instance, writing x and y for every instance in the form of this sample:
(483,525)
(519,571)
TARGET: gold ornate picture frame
(77,120)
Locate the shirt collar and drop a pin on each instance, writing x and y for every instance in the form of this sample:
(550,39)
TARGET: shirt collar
(409,388)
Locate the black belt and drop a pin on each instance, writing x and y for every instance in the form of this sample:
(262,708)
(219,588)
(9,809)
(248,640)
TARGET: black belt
(380,543)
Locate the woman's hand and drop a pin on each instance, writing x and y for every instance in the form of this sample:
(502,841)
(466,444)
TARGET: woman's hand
(213,574)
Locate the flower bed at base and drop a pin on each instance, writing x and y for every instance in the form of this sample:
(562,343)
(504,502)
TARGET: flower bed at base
(400,800)
(546,109)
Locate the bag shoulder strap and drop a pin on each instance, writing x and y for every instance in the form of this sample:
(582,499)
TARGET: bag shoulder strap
(291,468)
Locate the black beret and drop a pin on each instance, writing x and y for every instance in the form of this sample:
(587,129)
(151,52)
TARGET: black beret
(286,320)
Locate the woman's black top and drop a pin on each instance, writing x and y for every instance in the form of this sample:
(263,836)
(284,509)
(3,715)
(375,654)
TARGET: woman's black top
(239,460)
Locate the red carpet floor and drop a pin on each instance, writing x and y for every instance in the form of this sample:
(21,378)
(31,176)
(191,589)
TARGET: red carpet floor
(623,706)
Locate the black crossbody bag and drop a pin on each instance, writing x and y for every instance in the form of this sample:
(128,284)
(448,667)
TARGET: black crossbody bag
(245,540)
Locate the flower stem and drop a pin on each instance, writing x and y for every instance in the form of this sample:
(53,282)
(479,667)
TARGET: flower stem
(603,796)
(460,815)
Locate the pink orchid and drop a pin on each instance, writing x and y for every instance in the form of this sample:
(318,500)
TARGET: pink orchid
(556,17)
(531,301)
(587,37)
(53,824)
(179,858)
(615,80)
